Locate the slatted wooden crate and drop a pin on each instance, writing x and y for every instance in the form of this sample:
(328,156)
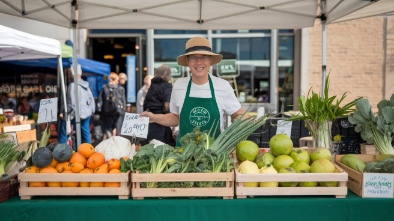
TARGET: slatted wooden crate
(339,192)
(226,192)
(356,182)
(26,192)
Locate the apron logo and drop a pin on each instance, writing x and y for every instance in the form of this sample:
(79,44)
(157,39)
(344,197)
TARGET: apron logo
(199,116)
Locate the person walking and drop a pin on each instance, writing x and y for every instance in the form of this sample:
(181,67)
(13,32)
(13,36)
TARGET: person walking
(112,106)
(201,99)
(157,101)
(123,82)
(142,93)
(87,107)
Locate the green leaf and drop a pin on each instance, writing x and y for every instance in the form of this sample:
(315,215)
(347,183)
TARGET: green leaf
(382,104)
(364,107)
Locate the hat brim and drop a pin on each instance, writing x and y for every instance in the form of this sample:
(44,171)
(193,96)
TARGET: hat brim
(216,58)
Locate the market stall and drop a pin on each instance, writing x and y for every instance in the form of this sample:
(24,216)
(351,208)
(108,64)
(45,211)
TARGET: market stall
(17,45)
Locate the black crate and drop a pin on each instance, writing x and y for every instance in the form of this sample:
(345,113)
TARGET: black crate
(255,137)
(295,130)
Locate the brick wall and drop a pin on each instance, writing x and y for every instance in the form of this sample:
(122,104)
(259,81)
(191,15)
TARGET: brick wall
(355,58)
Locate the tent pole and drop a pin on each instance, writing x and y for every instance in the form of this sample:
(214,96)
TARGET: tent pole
(74,9)
(323,19)
(63,89)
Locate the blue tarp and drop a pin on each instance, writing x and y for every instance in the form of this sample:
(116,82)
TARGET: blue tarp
(89,66)
(93,70)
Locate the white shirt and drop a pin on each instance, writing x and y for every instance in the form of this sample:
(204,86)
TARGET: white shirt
(225,97)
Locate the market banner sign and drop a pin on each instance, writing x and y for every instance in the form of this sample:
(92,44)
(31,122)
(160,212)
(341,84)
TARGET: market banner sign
(176,70)
(227,68)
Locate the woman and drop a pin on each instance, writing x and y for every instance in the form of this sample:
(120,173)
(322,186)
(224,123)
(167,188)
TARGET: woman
(112,106)
(157,101)
(202,99)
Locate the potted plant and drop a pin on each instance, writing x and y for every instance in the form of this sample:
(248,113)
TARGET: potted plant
(377,128)
(318,112)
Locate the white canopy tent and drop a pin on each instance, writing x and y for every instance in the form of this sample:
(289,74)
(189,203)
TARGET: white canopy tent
(195,15)
(18,45)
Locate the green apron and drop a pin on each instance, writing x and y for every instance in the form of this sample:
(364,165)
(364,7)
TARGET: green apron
(198,112)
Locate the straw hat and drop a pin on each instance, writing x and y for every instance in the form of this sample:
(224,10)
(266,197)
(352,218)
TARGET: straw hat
(198,45)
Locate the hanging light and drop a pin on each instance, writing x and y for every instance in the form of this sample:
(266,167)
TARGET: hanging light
(108,56)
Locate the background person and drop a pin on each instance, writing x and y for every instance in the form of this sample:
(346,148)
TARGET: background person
(157,101)
(112,106)
(24,107)
(6,103)
(123,82)
(87,107)
(142,93)
(201,99)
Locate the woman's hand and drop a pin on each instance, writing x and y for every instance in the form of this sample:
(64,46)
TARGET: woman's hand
(148,114)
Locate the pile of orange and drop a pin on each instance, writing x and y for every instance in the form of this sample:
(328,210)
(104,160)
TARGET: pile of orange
(86,160)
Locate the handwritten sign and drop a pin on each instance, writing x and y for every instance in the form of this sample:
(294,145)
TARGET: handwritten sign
(379,185)
(134,125)
(48,110)
(284,127)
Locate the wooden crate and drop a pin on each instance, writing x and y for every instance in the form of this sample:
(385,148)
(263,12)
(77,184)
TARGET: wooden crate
(26,192)
(356,178)
(368,149)
(226,192)
(339,192)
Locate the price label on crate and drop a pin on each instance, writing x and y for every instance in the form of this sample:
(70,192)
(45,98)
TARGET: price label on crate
(134,125)
(47,111)
(379,185)
(284,127)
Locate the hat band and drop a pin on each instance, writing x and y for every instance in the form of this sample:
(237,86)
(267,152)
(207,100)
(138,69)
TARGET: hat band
(198,48)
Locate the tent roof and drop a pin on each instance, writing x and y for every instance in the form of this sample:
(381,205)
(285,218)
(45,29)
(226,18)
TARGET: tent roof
(16,45)
(88,66)
(190,14)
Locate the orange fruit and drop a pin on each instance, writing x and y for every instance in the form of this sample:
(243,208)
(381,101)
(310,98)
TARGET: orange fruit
(37,184)
(77,157)
(65,166)
(69,183)
(76,167)
(113,164)
(54,163)
(32,169)
(96,184)
(113,184)
(95,160)
(49,169)
(86,150)
(102,169)
(85,170)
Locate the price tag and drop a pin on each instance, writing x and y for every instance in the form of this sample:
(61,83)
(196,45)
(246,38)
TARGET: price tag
(48,110)
(378,185)
(134,125)
(284,127)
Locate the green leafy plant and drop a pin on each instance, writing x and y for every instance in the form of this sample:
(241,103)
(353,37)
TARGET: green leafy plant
(8,153)
(317,111)
(375,129)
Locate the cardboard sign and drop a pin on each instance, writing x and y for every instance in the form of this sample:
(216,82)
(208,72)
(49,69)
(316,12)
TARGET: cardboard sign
(379,185)
(284,127)
(48,110)
(134,125)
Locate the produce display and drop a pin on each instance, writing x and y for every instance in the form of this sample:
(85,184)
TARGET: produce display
(375,129)
(283,158)
(381,164)
(199,153)
(8,154)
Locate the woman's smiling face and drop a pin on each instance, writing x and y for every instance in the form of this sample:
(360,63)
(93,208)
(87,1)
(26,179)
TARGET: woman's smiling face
(199,65)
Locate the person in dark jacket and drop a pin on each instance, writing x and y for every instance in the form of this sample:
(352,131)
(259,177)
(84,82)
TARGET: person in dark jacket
(157,101)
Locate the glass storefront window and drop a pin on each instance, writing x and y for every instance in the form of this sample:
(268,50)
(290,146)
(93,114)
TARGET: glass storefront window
(286,80)
(167,50)
(240,31)
(174,32)
(252,56)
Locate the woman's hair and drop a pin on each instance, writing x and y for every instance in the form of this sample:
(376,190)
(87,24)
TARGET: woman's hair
(164,71)
(113,77)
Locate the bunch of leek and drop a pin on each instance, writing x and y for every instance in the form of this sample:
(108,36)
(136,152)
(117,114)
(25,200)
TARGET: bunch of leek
(377,130)
(8,153)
